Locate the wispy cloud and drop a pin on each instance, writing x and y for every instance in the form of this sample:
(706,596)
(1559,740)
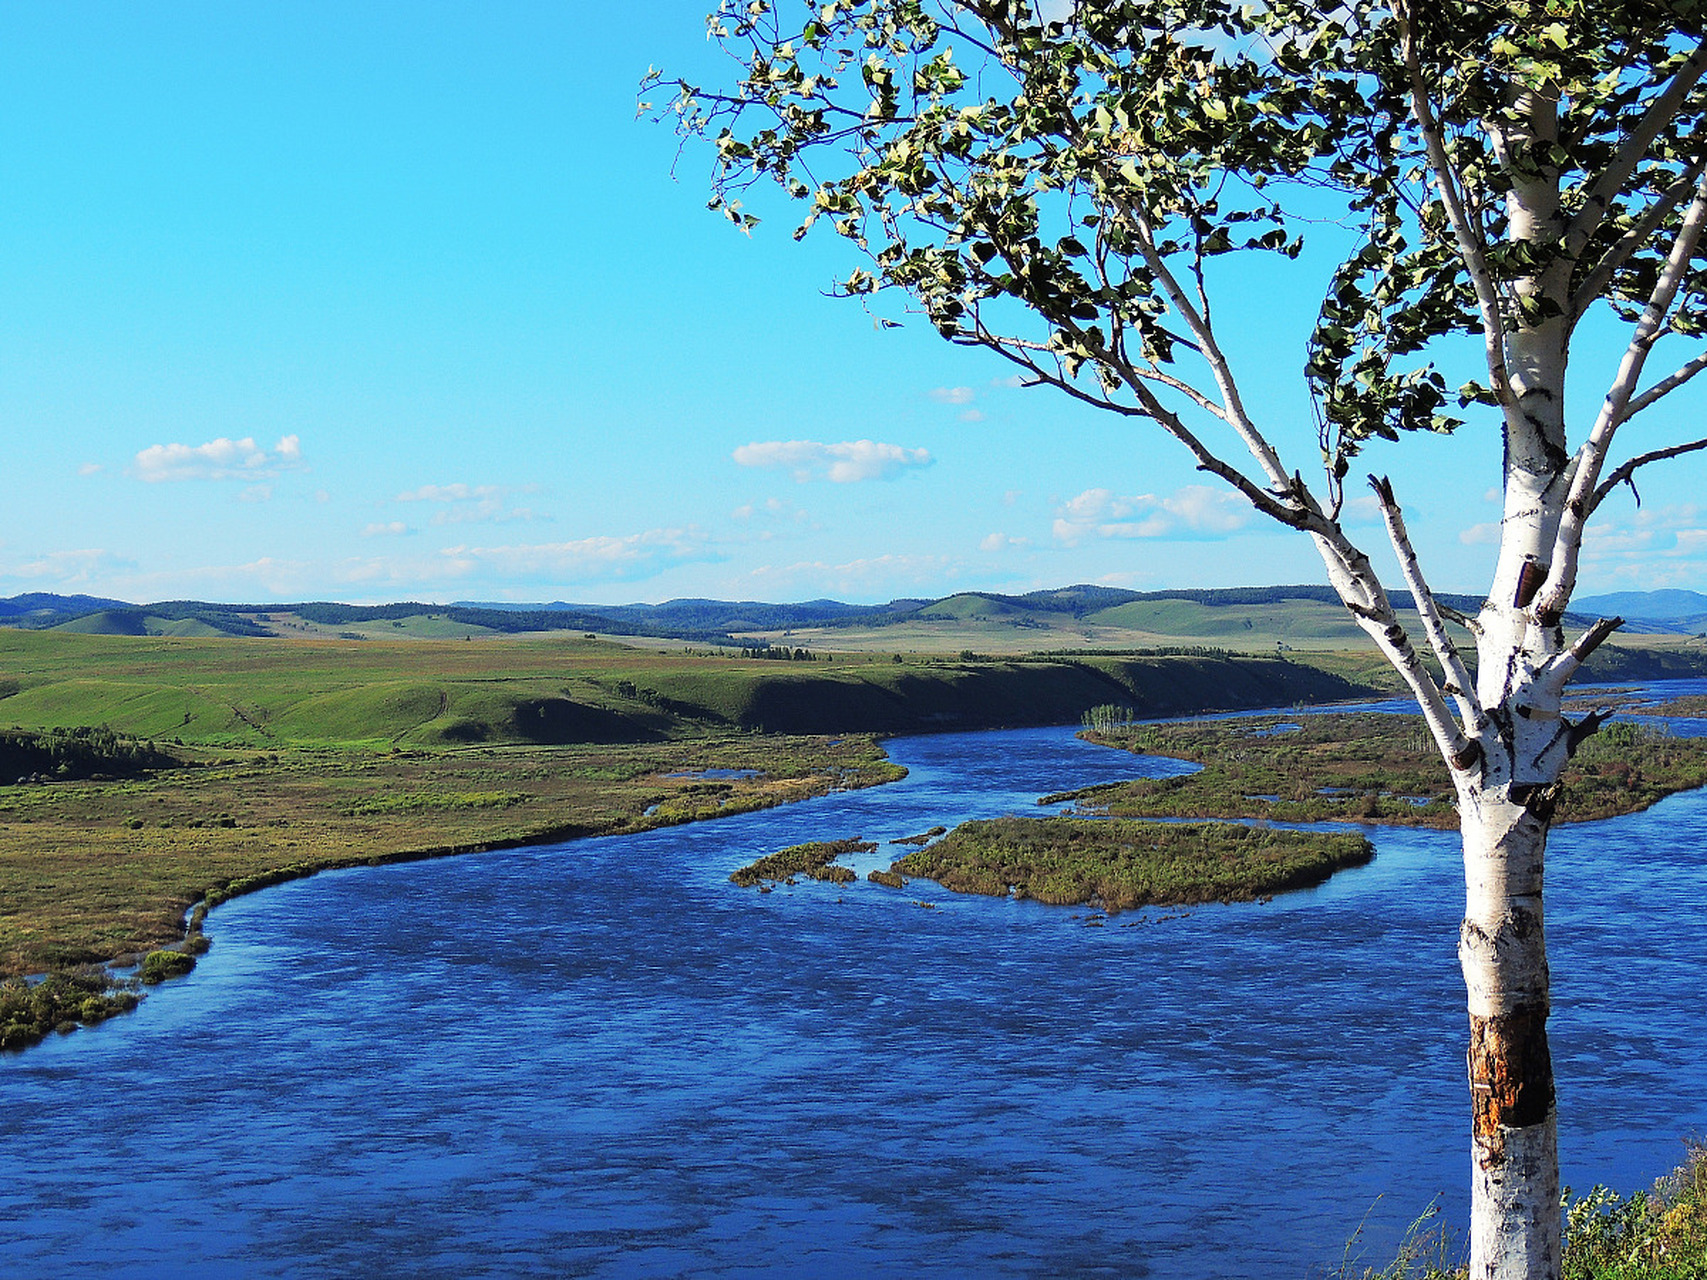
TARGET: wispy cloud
(389,529)
(771,519)
(76,568)
(468,503)
(882,574)
(637,555)
(1650,548)
(220,459)
(1192,512)
(846,462)
(960,396)
(1002,542)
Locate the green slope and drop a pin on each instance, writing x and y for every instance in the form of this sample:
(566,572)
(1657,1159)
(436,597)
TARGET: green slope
(1282,619)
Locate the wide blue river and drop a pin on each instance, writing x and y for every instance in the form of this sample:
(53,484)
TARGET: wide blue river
(602,1059)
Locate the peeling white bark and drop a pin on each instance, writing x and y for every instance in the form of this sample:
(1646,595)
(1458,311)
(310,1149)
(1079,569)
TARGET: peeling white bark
(1514,1233)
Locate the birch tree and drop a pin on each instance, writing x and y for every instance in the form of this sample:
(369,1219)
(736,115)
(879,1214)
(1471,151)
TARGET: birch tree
(1063,185)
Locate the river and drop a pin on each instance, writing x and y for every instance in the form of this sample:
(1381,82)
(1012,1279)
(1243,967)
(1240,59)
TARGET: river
(601,1059)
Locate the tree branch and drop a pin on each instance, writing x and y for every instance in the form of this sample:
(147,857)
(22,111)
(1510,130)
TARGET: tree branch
(1594,284)
(1458,681)
(1625,472)
(1660,390)
(1567,543)
(1471,248)
(1219,367)
(1358,587)
(1562,666)
(1612,179)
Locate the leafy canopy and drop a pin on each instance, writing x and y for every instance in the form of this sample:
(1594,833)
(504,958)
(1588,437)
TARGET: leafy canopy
(1051,186)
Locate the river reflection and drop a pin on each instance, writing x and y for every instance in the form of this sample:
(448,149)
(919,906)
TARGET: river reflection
(602,1059)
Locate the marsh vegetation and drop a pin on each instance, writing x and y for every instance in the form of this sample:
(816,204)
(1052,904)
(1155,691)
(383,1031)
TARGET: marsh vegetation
(1366,767)
(1119,865)
(816,860)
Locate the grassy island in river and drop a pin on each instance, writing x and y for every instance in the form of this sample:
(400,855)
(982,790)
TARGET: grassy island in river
(1119,864)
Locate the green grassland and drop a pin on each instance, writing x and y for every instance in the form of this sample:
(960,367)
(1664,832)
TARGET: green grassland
(227,761)
(166,771)
(270,692)
(815,860)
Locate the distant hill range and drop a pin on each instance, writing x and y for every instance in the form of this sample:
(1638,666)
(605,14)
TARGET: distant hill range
(1683,612)
(1244,616)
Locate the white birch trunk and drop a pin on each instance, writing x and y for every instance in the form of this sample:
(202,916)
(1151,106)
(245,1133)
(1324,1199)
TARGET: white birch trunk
(1514,1232)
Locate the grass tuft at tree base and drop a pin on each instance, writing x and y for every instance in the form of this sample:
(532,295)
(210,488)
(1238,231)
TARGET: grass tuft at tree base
(1660,1234)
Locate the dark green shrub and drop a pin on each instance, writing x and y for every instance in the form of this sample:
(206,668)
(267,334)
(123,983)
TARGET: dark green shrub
(157,966)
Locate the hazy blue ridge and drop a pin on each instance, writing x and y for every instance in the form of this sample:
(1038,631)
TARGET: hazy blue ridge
(1683,611)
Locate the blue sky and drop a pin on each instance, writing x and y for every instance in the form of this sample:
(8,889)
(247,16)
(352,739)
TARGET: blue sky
(370,301)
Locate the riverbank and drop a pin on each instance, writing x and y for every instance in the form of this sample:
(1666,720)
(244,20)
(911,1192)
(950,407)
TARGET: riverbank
(1366,768)
(197,769)
(100,872)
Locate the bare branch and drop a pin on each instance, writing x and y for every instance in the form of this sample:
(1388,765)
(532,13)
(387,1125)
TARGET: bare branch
(1660,390)
(1150,373)
(1471,247)
(1561,667)
(1355,581)
(1654,121)
(1458,681)
(1629,469)
(1594,284)
(1472,625)
(1567,543)
(1219,367)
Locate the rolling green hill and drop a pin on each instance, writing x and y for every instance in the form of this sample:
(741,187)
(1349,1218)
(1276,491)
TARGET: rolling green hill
(223,691)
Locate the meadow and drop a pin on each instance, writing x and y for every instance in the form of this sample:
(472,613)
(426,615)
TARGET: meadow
(148,778)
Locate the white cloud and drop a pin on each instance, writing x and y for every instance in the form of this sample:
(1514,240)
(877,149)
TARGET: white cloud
(634,556)
(844,463)
(1002,542)
(771,519)
(256,493)
(274,575)
(220,459)
(66,568)
(1649,548)
(90,469)
(449,493)
(468,503)
(1481,535)
(1192,512)
(953,395)
(972,415)
(388,530)
(1361,510)
(888,573)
